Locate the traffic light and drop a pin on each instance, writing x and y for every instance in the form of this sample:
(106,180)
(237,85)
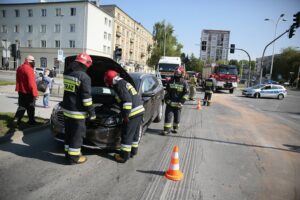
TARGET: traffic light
(232,48)
(296,20)
(292,31)
(118,52)
(203,45)
(13,50)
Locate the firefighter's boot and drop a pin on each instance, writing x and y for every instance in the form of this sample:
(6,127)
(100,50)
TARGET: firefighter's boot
(77,159)
(134,151)
(164,132)
(175,130)
(66,149)
(122,157)
(208,103)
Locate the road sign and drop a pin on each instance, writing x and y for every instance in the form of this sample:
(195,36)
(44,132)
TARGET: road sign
(60,55)
(6,53)
(5,44)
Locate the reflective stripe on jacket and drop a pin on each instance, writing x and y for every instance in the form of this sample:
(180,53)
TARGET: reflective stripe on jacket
(176,92)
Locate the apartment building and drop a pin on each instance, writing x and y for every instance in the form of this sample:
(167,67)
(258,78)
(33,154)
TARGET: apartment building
(44,28)
(217,44)
(130,36)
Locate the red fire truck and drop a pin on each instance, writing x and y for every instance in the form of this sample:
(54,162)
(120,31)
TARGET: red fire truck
(225,77)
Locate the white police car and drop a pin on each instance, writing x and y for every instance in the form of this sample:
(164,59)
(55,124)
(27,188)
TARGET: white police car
(266,90)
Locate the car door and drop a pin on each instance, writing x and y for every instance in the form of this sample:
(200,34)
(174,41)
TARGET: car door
(266,91)
(146,90)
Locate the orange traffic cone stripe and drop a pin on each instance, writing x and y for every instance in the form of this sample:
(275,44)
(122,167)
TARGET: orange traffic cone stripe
(173,172)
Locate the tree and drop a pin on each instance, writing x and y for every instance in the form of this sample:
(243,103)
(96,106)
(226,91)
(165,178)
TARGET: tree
(286,64)
(164,41)
(194,64)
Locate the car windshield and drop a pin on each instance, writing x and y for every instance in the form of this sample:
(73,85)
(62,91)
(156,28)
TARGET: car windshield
(257,86)
(227,70)
(136,80)
(167,67)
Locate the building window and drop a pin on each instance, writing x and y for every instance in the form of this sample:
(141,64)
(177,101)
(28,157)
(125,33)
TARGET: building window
(17,12)
(43,44)
(58,12)
(72,43)
(73,11)
(108,49)
(57,43)
(105,35)
(16,29)
(29,29)
(3,13)
(30,13)
(29,43)
(109,37)
(109,23)
(104,48)
(105,21)
(44,13)
(3,29)
(57,28)
(43,28)
(72,28)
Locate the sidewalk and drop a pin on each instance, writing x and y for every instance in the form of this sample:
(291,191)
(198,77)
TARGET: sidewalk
(9,102)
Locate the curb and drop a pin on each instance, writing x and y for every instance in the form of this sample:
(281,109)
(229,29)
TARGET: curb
(14,135)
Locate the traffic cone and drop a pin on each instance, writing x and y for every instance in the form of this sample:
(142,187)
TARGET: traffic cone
(173,172)
(199,105)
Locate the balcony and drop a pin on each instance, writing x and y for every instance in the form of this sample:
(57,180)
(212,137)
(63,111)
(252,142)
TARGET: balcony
(131,40)
(143,54)
(131,50)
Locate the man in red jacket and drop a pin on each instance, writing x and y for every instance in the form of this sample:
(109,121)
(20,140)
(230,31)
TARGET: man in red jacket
(27,90)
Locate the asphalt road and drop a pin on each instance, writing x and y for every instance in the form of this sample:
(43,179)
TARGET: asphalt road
(239,148)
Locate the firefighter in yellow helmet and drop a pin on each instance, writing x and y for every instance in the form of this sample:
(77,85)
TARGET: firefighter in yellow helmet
(77,104)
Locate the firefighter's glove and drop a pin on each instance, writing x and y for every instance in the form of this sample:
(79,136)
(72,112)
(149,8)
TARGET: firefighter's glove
(180,105)
(92,115)
(125,120)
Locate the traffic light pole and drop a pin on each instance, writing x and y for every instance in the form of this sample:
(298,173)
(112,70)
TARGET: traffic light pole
(262,58)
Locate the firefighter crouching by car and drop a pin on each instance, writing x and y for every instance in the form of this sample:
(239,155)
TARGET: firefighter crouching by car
(77,106)
(176,95)
(193,84)
(132,111)
(208,88)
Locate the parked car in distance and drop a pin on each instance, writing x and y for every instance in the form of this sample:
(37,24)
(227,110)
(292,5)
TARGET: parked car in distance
(266,90)
(38,71)
(105,131)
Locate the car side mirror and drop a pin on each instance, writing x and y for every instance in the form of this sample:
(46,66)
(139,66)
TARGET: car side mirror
(148,94)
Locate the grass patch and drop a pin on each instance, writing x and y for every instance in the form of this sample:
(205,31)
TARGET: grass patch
(7,83)
(7,126)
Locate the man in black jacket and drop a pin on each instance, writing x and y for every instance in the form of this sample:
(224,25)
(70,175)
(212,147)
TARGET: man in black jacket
(77,106)
(176,94)
(132,111)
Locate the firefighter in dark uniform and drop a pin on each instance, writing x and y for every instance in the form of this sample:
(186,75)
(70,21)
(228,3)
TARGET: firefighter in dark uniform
(208,88)
(77,106)
(176,94)
(132,111)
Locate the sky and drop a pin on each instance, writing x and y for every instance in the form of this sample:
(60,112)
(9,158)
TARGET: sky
(243,18)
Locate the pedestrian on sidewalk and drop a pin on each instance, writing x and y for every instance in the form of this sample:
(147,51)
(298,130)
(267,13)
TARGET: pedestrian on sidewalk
(48,89)
(27,91)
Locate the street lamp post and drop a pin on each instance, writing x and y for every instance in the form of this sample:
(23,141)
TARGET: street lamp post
(267,19)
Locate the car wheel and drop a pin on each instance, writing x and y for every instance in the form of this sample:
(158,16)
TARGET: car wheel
(231,91)
(256,95)
(280,96)
(158,118)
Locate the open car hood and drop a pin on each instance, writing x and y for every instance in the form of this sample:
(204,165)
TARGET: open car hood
(99,67)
